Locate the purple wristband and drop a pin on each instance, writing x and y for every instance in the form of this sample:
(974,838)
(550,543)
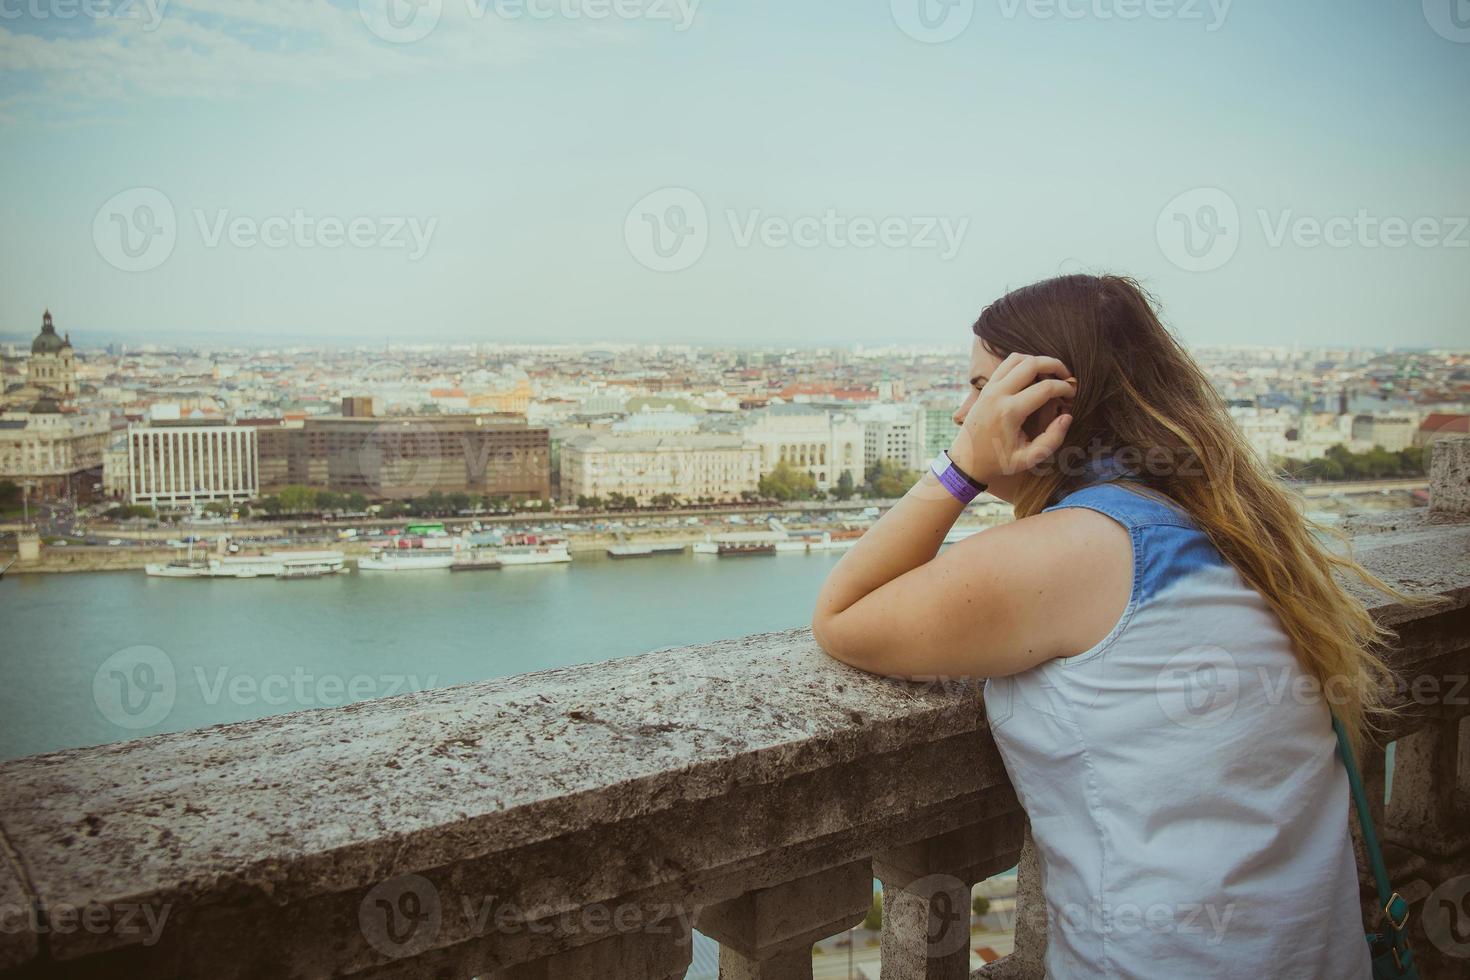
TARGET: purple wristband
(960,487)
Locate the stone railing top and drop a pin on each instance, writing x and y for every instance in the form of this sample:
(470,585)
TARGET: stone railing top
(325,800)
(329,800)
(1420,556)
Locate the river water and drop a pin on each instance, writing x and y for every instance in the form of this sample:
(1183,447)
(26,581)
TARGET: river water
(79,648)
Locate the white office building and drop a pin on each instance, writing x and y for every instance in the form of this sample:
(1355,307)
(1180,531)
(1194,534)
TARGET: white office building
(186,465)
(895,433)
(823,443)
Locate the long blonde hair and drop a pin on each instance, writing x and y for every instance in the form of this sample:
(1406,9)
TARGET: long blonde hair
(1144,403)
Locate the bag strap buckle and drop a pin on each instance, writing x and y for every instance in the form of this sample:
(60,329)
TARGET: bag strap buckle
(1396,905)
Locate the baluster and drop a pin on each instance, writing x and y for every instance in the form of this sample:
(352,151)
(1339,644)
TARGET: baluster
(663,951)
(926,896)
(767,934)
(1428,812)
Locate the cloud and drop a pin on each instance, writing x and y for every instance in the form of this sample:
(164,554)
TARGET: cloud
(93,66)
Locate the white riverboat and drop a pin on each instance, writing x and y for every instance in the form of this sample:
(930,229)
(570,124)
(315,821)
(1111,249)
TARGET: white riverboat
(644,549)
(532,549)
(406,560)
(274,564)
(730,544)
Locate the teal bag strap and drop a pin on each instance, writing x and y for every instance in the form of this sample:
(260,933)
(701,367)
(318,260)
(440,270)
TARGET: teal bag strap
(1396,960)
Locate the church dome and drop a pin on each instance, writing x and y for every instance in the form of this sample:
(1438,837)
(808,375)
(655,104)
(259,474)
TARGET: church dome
(46,341)
(46,405)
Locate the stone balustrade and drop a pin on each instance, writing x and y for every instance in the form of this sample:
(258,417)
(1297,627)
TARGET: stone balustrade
(580,822)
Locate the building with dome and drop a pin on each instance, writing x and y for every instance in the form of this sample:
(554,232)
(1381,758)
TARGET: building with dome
(53,363)
(44,441)
(51,370)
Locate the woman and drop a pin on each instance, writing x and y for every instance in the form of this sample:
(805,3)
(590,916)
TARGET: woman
(1163,640)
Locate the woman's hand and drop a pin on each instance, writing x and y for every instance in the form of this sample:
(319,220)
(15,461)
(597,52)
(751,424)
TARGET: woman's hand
(993,441)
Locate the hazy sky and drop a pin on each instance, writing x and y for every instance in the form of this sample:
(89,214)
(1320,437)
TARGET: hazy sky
(806,171)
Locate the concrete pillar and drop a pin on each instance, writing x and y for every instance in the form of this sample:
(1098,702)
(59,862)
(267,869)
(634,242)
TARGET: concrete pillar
(926,896)
(1429,812)
(1028,958)
(767,934)
(28,547)
(1449,475)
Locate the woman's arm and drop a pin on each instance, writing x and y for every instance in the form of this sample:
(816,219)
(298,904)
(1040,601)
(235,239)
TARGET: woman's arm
(890,606)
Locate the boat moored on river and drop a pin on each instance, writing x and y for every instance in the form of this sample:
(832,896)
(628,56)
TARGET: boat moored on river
(404,560)
(533,549)
(273,564)
(643,549)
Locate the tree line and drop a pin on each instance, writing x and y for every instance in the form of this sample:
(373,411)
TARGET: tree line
(1341,463)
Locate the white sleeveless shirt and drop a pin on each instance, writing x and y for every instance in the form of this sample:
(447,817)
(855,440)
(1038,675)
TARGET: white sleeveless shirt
(1187,802)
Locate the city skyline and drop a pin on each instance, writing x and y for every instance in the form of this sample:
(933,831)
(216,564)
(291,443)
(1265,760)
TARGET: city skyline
(286,171)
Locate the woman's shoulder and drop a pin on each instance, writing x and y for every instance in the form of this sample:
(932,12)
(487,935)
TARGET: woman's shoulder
(1128,502)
